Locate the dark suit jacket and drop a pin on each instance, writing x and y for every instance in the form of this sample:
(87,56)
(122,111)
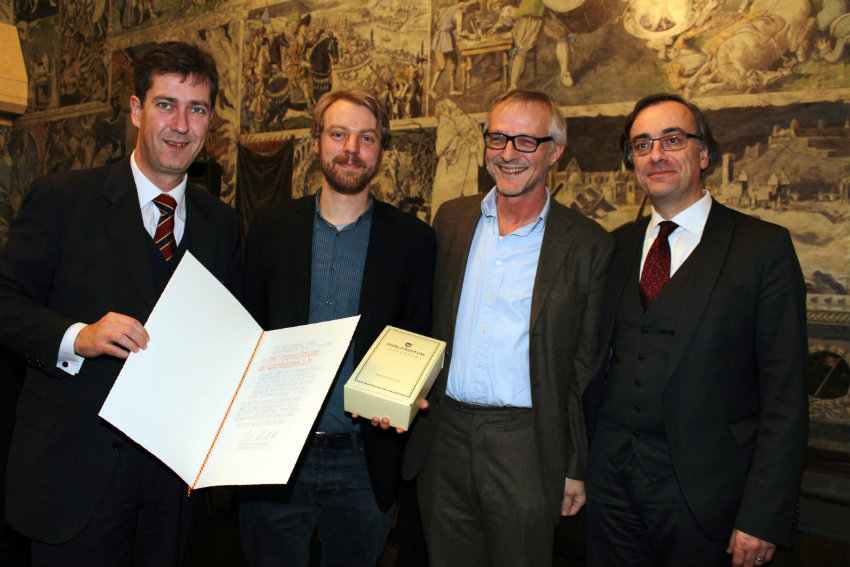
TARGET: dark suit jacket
(734,403)
(396,290)
(562,343)
(77,250)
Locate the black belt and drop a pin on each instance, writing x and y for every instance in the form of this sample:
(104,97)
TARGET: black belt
(336,440)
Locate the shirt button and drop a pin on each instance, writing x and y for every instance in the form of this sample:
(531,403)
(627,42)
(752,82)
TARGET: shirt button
(328,302)
(478,364)
(489,296)
(498,262)
(333,268)
(483,329)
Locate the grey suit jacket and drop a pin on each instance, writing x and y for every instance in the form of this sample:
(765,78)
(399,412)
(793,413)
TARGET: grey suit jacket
(563,325)
(76,251)
(734,405)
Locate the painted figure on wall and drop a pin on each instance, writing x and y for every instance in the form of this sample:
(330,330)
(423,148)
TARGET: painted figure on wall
(460,151)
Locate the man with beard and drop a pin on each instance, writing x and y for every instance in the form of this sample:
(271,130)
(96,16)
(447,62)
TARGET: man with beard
(335,254)
(502,452)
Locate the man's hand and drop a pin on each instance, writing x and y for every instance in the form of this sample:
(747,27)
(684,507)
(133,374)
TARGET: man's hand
(385,422)
(574,497)
(114,335)
(749,551)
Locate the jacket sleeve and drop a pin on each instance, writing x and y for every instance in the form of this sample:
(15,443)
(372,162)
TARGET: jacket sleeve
(772,486)
(30,328)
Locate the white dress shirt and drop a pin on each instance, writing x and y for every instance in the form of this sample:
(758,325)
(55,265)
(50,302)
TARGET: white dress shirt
(685,238)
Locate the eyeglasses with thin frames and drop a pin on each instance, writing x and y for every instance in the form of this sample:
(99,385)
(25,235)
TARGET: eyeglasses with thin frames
(670,142)
(522,143)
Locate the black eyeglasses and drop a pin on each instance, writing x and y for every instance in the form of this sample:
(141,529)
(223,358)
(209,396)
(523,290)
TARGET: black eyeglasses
(671,143)
(522,143)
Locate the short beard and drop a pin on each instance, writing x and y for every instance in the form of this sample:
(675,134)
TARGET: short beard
(344,182)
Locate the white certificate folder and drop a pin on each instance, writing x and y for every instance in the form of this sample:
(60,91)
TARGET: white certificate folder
(214,397)
(398,370)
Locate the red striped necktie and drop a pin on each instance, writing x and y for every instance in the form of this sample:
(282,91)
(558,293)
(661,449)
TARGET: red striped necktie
(656,267)
(164,235)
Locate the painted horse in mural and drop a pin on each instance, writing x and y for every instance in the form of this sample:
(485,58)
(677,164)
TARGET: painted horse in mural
(299,86)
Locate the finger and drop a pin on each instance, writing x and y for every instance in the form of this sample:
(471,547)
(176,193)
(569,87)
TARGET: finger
(385,423)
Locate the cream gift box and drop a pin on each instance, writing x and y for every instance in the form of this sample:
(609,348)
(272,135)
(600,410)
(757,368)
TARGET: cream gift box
(398,370)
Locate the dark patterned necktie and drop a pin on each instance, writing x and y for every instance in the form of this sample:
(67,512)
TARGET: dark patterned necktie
(164,235)
(656,267)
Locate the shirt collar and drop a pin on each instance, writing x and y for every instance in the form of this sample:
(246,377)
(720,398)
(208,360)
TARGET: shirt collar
(147,191)
(364,216)
(488,209)
(692,219)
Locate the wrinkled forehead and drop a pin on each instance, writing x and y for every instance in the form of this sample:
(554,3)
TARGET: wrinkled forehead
(515,117)
(662,118)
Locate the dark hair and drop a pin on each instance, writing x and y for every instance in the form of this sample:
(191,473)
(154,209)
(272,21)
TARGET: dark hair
(357,96)
(176,57)
(557,124)
(707,141)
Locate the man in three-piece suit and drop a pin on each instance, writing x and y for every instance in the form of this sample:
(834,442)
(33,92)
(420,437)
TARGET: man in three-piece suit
(80,270)
(337,253)
(501,454)
(698,414)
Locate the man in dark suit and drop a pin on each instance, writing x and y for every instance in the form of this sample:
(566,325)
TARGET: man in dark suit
(337,253)
(80,271)
(501,454)
(698,414)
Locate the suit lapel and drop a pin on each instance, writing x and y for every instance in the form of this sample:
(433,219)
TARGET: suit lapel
(708,257)
(458,256)
(379,258)
(301,251)
(201,238)
(553,251)
(629,249)
(121,217)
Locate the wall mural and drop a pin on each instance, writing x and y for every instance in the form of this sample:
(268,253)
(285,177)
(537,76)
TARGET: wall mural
(773,76)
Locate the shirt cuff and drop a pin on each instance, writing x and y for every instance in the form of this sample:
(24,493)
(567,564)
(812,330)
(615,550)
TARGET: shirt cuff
(68,361)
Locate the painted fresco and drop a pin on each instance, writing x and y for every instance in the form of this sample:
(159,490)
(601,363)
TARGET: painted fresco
(773,76)
(128,15)
(295,51)
(40,49)
(7,12)
(600,51)
(30,10)
(82,66)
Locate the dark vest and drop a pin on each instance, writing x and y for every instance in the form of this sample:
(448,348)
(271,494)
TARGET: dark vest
(161,270)
(631,418)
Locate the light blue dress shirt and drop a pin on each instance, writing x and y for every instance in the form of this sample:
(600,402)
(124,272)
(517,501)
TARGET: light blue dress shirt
(489,364)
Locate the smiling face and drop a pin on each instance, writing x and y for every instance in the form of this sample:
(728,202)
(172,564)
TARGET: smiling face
(348,147)
(173,123)
(518,173)
(671,179)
